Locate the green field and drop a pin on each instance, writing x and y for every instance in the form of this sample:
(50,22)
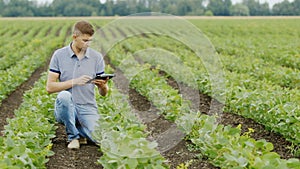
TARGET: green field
(259,64)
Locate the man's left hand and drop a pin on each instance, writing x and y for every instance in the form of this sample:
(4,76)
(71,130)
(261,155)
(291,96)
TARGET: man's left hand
(100,83)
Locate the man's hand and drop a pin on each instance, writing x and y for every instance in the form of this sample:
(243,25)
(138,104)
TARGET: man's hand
(82,80)
(102,86)
(100,83)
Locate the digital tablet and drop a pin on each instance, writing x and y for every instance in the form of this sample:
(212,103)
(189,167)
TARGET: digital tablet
(105,76)
(102,77)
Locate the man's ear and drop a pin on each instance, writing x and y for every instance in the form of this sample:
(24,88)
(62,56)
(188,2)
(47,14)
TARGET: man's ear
(74,36)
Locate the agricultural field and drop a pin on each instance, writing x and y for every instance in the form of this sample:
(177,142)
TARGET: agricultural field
(188,93)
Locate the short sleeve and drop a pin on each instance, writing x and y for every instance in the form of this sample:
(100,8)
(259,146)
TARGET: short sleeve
(100,67)
(54,66)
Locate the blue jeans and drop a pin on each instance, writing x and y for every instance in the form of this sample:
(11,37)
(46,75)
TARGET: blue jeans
(79,120)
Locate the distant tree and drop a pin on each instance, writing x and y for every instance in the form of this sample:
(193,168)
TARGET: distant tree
(120,8)
(1,7)
(107,9)
(296,5)
(216,6)
(127,7)
(283,8)
(257,9)
(142,6)
(171,9)
(79,9)
(153,5)
(239,10)
(16,11)
(43,11)
(75,7)
(15,8)
(132,6)
(253,6)
(168,7)
(197,7)
(183,7)
(58,6)
(264,9)
(227,5)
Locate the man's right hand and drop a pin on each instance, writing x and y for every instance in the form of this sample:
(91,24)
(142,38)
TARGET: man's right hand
(82,80)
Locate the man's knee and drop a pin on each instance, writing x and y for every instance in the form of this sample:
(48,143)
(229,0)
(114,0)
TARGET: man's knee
(91,123)
(64,97)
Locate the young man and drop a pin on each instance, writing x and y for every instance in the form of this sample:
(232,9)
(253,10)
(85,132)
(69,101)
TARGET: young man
(70,70)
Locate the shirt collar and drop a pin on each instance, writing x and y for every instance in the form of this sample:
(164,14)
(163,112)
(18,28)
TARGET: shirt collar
(71,52)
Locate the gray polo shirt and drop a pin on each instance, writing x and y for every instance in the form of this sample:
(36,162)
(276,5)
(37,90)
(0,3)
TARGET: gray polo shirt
(68,66)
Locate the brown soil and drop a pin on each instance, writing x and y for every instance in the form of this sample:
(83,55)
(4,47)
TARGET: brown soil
(84,158)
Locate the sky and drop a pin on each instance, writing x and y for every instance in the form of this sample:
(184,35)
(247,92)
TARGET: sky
(271,2)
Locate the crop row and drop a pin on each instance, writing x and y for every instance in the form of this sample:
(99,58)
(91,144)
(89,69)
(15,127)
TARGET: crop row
(122,137)
(27,137)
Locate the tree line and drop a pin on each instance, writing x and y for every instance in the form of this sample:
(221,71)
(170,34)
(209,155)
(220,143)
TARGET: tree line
(16,8)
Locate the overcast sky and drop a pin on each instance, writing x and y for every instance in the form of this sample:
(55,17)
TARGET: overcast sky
(271,2)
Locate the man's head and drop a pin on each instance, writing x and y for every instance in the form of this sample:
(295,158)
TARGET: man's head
(83,27)
(82,34)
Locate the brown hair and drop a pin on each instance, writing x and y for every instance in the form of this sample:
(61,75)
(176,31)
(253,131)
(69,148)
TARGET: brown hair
(83,27)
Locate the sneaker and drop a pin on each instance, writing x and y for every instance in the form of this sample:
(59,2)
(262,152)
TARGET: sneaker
(74,144)
(82,140)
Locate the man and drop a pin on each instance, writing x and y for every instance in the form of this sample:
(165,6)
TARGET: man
(70,70)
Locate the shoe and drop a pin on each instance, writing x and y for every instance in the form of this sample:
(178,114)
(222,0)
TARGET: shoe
(82,140)
(74,144)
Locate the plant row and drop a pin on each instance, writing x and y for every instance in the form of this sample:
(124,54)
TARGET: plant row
(122,137)
(27,137)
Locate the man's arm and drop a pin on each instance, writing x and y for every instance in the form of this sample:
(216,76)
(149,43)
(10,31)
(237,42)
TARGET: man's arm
(103,91)
(53,85)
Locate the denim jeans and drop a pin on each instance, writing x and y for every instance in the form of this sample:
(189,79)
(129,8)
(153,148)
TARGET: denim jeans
(79,120)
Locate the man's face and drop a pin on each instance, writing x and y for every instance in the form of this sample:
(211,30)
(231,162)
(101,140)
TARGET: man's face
(82,41)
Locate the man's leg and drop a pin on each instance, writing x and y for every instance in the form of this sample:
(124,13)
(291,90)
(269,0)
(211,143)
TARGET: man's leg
(65,114)
(88,119)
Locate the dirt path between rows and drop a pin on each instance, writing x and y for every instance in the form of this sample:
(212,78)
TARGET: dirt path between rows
(14,100)
(84,158)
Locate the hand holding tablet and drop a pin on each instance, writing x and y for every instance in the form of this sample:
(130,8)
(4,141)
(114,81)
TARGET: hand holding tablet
(102,77)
